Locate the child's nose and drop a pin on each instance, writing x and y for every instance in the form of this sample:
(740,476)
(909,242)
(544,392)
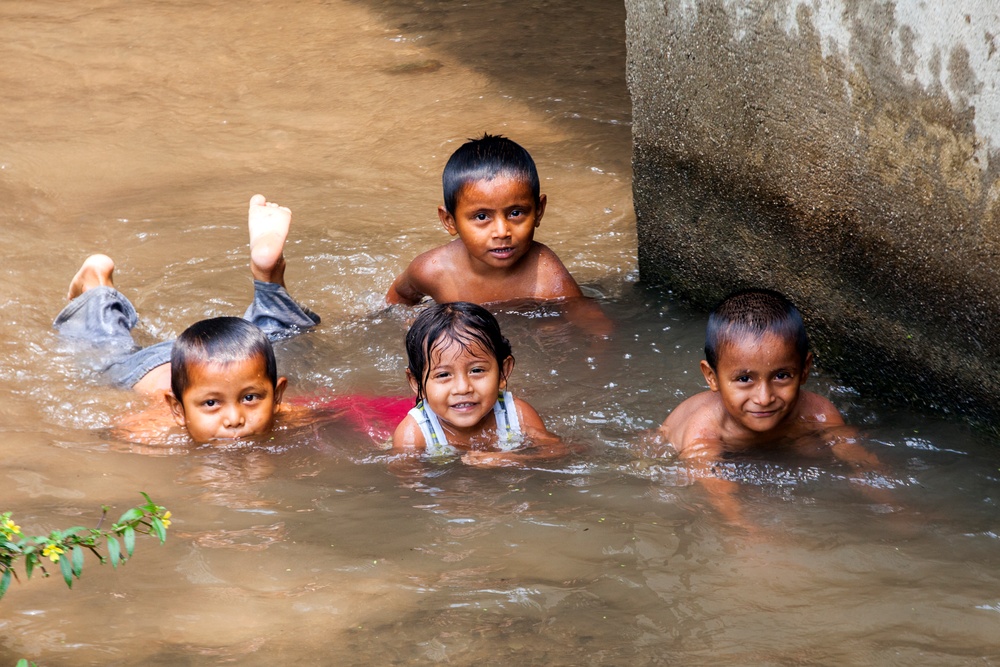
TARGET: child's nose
(233,417)
(764,393)
(501,228)
(461,385)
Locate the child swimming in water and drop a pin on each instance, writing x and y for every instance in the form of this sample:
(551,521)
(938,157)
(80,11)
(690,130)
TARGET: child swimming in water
(218,380)
(757,359)
(458,366)
(492,203)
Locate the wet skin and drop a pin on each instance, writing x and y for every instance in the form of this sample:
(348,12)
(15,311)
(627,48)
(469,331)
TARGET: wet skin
(227,401)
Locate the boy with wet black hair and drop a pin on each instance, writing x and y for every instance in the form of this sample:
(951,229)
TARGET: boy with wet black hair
(757,359)
(219,378)
(492,204)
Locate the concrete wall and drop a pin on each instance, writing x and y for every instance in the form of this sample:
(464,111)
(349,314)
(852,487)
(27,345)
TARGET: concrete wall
(845,152)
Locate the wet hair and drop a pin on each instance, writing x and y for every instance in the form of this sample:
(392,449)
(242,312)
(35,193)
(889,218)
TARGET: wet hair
(442,324)
(483,160)
(219,340)
(752,313)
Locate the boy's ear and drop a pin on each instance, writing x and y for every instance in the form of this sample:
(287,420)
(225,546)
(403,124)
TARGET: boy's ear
(448,220)
(541,210)
(806,367)
(414,385)
(279,390)
(710,377)
(505,371)
(176,409)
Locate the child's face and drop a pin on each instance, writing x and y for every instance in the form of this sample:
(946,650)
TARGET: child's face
(495,219)
(758,380)
(226,401)
(463,385)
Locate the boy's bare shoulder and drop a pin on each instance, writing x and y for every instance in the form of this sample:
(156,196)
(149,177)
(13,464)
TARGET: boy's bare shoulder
(694,428)
(817,409)
(425,274)
(554,279)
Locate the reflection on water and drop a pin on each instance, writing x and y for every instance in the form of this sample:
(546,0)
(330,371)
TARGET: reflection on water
(141,130)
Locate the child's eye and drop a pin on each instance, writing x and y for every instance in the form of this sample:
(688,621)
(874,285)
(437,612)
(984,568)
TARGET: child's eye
(210,403)
(516,213)
(782,375)
(250,398)
(481,217)
(441,376)
(478,370)
(743,378)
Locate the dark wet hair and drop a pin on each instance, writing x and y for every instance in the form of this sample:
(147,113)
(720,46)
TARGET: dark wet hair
(219,340)
(460,322)
(483,160)
(752,313)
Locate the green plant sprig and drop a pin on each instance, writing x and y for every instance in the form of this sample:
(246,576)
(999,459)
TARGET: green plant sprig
(66,547)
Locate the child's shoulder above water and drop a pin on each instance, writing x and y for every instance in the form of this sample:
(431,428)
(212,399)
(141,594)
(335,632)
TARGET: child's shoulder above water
(701,426)
(448,273)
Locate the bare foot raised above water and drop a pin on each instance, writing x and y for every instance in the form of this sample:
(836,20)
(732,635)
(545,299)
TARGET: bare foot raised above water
(268,225)
(95,271)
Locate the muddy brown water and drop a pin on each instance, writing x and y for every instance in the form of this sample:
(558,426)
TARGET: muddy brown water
(142,129)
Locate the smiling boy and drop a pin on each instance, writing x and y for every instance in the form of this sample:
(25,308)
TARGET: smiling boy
(756,361)
(493,205)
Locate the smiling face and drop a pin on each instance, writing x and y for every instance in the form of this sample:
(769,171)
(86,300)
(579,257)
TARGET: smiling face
(227,401)
(496,220)
(758,380)
(462,386)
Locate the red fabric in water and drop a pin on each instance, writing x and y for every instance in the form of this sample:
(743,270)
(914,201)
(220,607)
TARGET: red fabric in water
(376,416)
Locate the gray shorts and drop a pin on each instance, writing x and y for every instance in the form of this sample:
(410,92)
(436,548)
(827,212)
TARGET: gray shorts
(101,319)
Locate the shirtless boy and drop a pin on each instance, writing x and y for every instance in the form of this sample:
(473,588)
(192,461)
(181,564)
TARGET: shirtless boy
(756,361)
(219,379)
(493,205)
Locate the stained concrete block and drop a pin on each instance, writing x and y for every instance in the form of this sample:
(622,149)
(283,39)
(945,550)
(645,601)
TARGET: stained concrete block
(844,152)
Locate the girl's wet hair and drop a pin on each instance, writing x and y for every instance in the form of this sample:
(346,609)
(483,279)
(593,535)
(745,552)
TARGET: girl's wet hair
(463,323)
(750,314)
(219,340)
(483,160)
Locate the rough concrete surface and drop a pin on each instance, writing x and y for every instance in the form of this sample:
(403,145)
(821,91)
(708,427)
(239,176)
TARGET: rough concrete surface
(844,152)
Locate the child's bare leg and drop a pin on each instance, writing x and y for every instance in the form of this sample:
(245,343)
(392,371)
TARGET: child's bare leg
(95,271)
(268,225)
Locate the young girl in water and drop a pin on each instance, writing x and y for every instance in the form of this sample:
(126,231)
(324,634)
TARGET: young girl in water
(458,367)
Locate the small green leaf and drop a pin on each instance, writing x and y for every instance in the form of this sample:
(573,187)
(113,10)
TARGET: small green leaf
(129,536)
(77,561)
(130,515)
(67,570)
(5,581)
(156,527)
(29,564)
(22,663)
(114,551)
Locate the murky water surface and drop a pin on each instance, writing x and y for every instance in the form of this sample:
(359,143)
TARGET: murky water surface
(141,130)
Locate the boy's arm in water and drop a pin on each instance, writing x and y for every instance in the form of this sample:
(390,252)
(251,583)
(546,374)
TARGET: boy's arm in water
(418,279)
(542,445)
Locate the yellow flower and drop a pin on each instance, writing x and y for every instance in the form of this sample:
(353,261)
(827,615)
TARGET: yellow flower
(9,527)
(166,519)
(52,551)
